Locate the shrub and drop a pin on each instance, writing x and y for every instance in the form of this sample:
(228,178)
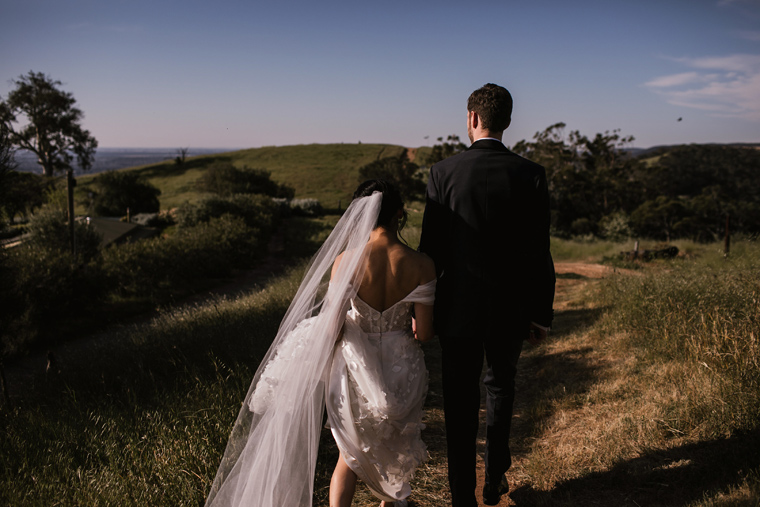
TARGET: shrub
(582,227)
(224,179)
(49,230)
(257,211)
(42,290)
(161,265)
(615,227)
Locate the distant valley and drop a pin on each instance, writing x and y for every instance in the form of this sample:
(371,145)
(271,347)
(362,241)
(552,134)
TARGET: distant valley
(108,159)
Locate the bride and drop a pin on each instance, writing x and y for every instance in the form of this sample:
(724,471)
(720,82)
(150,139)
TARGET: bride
(350,345)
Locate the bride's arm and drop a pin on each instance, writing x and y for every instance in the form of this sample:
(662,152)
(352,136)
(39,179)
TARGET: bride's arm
(422,323)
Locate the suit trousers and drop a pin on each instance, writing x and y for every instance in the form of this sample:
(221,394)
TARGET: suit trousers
(462,365)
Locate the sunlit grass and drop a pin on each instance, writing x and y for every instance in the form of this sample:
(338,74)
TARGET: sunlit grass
(656,378)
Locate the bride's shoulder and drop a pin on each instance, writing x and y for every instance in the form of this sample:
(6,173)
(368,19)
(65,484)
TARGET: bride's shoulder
(423,265)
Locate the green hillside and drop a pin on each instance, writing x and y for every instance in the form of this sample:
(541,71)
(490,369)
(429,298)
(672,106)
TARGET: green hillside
(327,172)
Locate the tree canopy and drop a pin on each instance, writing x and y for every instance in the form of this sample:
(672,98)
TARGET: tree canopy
(223,178)
(400,171)
(53,130)
(444,149)
(122,190)
(596,186)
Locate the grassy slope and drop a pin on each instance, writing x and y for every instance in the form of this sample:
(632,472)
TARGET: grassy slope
(143,419)
(327,172)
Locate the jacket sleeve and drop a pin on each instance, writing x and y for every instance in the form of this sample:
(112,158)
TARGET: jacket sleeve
(541,291)
(433,223)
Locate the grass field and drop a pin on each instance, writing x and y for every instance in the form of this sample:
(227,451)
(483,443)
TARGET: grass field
(646,393)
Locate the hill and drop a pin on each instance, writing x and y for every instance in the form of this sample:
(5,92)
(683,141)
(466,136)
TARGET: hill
(326,172)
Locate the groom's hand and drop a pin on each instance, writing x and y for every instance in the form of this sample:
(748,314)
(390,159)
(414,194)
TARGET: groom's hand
(537,334)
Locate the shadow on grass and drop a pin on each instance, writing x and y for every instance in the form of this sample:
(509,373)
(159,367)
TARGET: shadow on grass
(568,322)
(669,477)
(304,236)
(548,381)
(171,168)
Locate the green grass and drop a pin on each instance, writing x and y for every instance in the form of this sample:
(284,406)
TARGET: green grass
(326,172)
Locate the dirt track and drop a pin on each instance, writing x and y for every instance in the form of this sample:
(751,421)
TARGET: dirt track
(572,277)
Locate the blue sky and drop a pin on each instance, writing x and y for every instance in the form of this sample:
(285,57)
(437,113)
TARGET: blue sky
(238,74)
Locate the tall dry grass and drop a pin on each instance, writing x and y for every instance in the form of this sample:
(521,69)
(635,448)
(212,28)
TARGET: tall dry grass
(652,390)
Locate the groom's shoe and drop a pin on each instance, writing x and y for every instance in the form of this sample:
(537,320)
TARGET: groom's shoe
(492,492)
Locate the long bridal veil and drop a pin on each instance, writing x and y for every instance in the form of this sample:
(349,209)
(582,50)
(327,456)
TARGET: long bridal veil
(271,455)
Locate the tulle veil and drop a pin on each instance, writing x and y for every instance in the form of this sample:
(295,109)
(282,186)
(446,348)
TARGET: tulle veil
(271,454)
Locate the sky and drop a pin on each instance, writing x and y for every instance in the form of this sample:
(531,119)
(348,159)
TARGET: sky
(251,73)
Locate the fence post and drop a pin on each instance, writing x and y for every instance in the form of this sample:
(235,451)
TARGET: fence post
(6,395)
(727,241)
(70,184)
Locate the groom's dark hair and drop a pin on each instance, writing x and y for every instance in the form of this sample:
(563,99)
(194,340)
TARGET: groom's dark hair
(493,103)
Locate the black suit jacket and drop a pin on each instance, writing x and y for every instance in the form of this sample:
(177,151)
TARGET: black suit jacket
(486,226)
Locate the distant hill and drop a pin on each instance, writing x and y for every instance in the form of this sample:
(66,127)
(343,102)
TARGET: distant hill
(327,172)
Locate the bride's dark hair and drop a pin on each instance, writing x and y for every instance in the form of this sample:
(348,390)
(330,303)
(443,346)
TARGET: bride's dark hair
(392,201)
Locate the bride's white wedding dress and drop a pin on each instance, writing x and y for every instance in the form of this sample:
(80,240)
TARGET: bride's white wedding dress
(375,391)
(374,379)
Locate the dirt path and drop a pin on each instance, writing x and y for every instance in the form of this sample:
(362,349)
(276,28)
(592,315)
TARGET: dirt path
(572,279)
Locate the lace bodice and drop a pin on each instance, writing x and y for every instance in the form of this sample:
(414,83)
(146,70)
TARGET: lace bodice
(397,317)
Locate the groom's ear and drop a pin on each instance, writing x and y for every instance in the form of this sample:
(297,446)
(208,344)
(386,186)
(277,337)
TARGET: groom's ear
(473,119)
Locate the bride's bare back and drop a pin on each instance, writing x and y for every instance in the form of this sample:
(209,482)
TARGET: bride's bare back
(394,270)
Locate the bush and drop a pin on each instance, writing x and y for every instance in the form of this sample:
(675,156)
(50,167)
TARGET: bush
(257,211)
(49,230)
(582,227)
(225,179)
(615,227)
(42,290)
(166,265)
(122,190)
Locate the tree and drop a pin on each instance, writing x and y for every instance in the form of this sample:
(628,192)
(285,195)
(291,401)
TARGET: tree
(53,132)
(223,178)
(21,193)
(661,218)
(181,156)
(445,149)
(7,166)
(122,190)
(588,178)
(400,171)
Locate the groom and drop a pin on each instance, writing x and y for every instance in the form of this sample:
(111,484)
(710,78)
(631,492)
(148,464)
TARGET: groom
(486,226)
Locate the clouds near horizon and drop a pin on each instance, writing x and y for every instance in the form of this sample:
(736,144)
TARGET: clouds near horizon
(727,86)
